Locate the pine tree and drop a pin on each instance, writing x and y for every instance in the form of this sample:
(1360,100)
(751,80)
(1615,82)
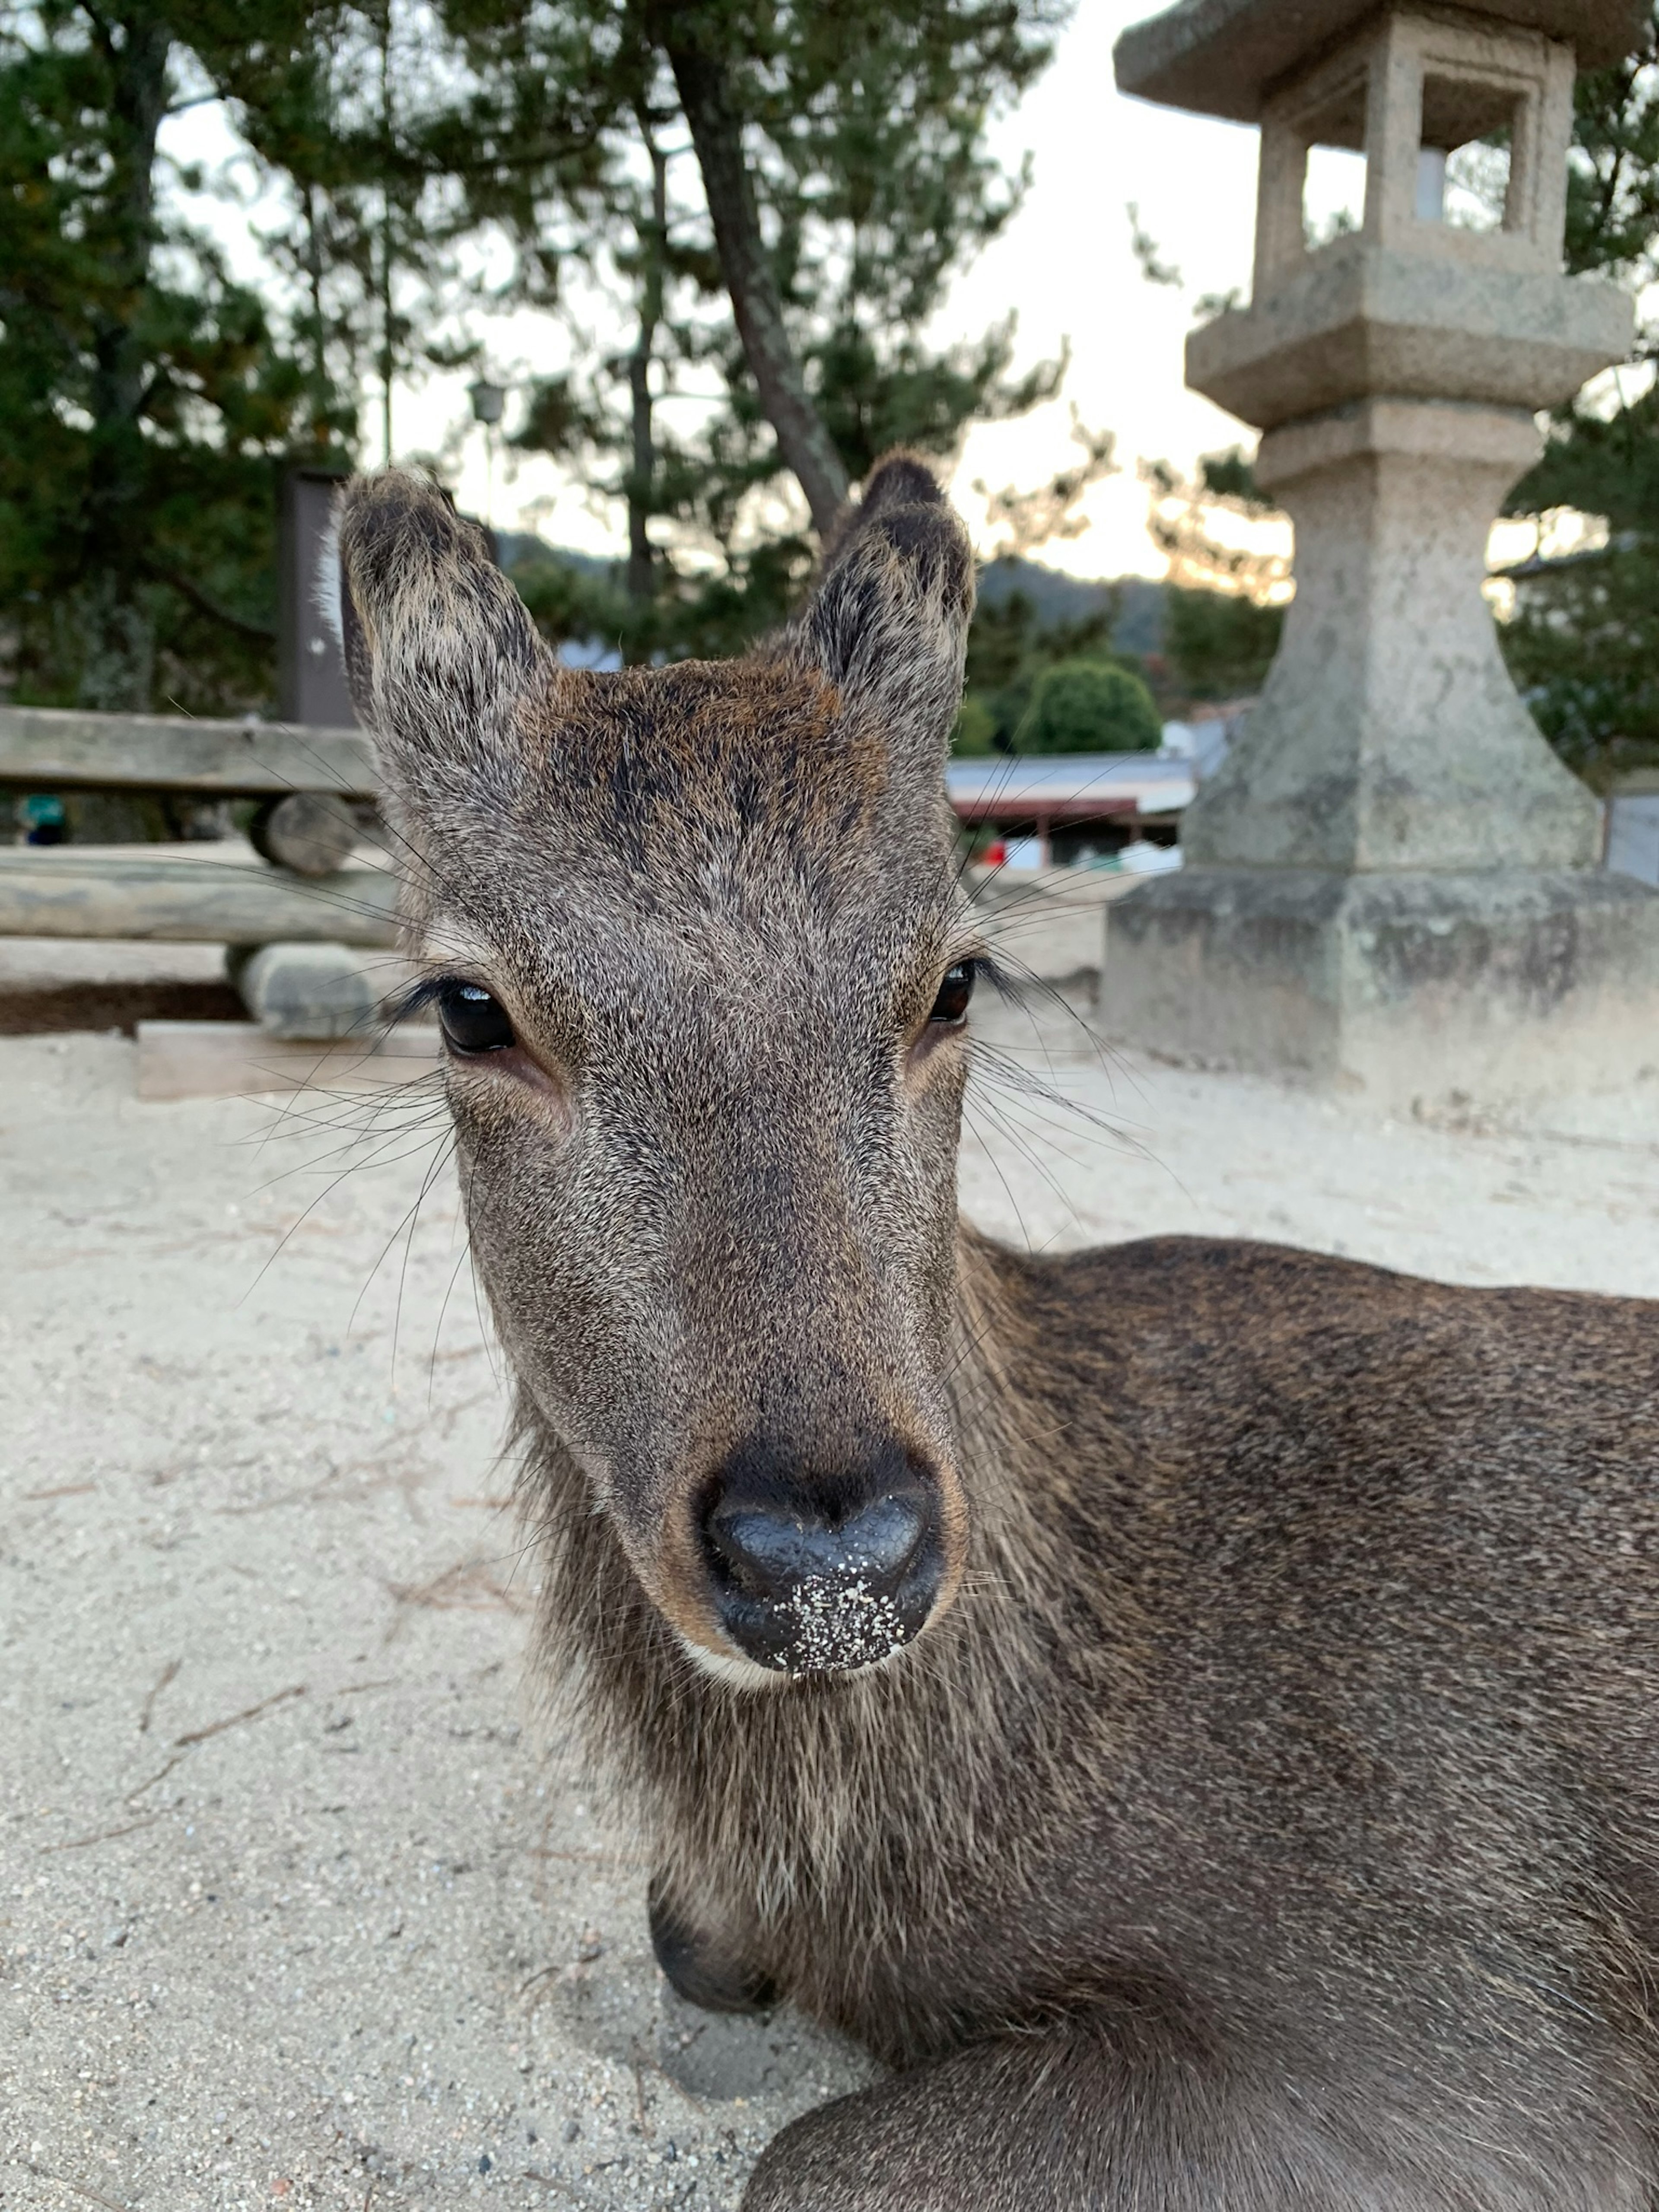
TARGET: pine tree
(784,192)
(1583,643)
(147,402)
(781,193)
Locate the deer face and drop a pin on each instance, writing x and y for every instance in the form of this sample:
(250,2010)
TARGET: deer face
(694,941)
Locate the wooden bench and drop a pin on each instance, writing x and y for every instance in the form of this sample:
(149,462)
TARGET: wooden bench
(208,893)
(194,896)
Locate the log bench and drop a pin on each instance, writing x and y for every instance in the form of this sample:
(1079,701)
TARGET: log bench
(300,881)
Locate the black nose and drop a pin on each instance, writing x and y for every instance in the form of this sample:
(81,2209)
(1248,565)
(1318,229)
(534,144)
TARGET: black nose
(768,1551)
(814,1578)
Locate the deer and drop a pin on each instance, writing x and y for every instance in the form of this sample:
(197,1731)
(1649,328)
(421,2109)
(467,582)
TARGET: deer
(1187,1708)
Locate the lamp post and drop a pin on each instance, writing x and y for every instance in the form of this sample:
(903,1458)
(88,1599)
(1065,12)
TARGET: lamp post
(489,402)
(1392,882)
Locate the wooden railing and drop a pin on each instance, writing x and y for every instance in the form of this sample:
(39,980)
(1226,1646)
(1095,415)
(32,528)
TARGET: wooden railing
(208,894)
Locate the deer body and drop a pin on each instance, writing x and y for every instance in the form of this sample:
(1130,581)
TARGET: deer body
(1188,1707)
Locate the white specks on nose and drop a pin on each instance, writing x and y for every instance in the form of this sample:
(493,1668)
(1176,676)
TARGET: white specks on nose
(842,1627)
(839,1623)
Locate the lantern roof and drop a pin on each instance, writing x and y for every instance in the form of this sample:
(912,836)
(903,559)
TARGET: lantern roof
(1221,56)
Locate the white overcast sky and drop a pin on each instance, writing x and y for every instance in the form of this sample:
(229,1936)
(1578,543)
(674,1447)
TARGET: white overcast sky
(1065,264)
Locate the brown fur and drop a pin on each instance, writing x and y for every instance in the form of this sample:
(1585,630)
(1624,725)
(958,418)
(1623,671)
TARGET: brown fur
(1265,1817)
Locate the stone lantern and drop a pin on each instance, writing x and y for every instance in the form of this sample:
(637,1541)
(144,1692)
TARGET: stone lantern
(1392,883)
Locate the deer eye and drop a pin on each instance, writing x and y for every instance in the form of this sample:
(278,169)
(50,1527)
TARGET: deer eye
(954,992)
(473,1021)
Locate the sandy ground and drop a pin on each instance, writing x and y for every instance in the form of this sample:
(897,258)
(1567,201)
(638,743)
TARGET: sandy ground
(302,1904)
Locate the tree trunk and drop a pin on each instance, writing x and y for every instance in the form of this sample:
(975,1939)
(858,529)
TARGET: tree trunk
(116,674)
(716,127)
(641,478)
(388,341)
(320,423)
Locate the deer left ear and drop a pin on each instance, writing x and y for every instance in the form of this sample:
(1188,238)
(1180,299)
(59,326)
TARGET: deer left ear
(440,653)
(887,624)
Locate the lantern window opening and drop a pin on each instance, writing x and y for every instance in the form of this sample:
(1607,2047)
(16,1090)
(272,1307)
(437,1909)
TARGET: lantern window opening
(1335,175)
(1314,186)
(1333,195)
(1466,176)
(1424,134)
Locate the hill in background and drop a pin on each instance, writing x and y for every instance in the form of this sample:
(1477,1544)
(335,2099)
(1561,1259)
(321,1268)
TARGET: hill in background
(1056,598)
(1061,598)
(515,548)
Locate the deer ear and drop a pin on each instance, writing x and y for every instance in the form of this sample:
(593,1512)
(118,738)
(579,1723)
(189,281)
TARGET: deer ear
(440,653)
(887,624)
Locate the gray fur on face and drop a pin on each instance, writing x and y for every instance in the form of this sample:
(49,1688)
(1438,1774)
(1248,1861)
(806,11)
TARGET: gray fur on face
(717,900)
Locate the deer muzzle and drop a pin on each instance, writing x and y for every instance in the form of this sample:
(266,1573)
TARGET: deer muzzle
(816,1578)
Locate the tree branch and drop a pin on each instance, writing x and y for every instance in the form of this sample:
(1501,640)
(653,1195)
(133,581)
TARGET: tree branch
(255,633)
(716,127)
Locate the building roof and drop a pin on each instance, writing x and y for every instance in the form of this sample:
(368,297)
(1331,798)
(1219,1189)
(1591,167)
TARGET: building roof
(1067,786)
(1221,57)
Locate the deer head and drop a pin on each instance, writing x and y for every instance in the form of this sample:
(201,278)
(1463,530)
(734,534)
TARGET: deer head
(694,939)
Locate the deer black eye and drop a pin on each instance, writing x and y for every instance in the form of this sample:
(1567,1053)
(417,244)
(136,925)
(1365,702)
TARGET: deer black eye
(954,993)
(471,1020)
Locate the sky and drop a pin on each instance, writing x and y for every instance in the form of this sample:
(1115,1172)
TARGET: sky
(1066,265)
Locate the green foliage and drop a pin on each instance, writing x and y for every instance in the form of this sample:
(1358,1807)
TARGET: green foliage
(705,615)
(1612,187)
(876,170)
(1088,706)
(1583,642)
(147,402)
(1219,645)
(1583,646)
(975,732)
(865,141)
(1600,464)
(1230,477)
(1221,625)
(1009,647)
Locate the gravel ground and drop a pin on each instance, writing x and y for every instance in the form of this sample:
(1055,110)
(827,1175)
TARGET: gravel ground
(303,1903)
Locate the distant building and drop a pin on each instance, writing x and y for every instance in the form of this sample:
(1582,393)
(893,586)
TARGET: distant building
(1633,832)
(1072,806)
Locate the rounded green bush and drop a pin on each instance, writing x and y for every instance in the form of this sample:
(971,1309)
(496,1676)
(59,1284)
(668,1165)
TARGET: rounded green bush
(1089,706)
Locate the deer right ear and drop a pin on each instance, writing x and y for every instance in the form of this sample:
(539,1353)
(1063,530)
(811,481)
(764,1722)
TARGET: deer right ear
(440,653)
(887,624)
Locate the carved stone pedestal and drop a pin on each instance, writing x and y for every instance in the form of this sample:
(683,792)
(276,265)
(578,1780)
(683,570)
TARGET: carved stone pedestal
(1517,989)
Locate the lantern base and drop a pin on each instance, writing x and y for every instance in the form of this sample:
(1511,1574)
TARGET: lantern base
(1513,991)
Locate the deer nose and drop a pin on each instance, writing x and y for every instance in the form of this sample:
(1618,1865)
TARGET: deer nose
(769,1551)
(811,1588)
